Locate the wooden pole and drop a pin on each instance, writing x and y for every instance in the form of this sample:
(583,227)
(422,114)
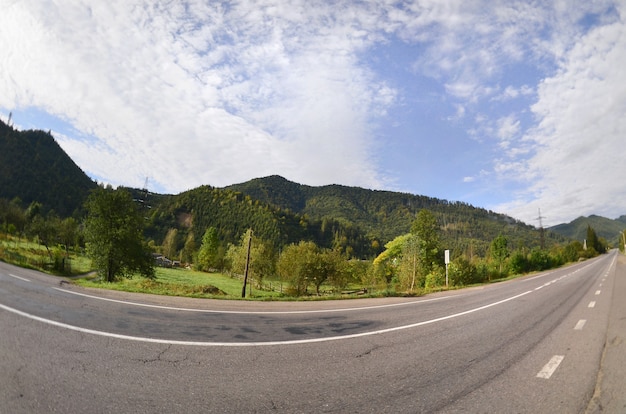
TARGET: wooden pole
(245,275)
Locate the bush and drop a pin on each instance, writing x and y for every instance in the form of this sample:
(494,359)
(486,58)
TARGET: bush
(462,272)
(519,263)
(435,279)
(540,260)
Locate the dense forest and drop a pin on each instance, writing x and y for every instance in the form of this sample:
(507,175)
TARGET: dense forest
(355,220)
(34,168)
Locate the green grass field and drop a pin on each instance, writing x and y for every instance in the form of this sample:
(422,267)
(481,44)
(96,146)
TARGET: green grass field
(185,282)
(24,253)
(171,282)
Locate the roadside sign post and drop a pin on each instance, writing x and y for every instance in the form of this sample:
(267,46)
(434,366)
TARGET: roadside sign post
(447,260)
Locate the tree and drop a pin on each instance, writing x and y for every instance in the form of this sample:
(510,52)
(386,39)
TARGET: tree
(596,244)
(500,251)
(170,243)
(189,249)
(297,264)
(68,233)
(393,249)
(209,250)
(426,229)
(45,230)
(262,258)
(12,216)
(114,235)
(409,262)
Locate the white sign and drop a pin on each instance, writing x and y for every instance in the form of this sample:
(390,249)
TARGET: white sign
(447,253)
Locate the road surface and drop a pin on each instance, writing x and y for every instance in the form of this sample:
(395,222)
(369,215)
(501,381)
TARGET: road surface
(531,345)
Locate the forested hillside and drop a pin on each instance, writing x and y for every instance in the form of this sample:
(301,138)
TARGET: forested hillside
(33,167)
(383,215)
(604,227)
(354,220)
(232,213)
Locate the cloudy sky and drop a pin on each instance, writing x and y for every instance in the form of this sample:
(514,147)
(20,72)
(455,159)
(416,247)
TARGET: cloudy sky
(509,105)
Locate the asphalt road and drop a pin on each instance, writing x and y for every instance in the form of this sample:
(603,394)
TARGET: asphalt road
(536,344)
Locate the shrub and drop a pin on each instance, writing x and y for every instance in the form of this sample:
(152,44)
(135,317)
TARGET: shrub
(519,263)
(540,260)
(462,272)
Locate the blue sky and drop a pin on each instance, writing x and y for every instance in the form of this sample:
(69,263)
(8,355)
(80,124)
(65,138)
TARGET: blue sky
(513,106)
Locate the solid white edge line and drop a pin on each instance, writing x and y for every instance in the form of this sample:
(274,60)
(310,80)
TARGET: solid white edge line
(547,371)
(242,344)
(252,312)
(235,344)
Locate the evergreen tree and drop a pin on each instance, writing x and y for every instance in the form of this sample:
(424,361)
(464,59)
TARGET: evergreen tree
(592,239)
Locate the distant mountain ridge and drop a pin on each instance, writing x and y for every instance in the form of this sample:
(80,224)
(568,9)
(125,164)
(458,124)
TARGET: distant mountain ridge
(606,228)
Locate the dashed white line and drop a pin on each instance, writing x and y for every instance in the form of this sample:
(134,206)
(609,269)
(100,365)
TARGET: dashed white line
(598,292)
(592,304)
(581,323)
(547,371)
(19,277)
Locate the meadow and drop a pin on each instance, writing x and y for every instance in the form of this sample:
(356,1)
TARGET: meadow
(188,283)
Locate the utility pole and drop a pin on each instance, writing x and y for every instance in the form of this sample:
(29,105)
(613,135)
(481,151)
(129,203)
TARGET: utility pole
(245,274)
(542,242)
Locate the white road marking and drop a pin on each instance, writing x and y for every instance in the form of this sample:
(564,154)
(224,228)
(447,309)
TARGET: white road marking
(550,367)
(19,277)
(597,292)
(241,344)
(592,304)
(581,323)
(268,343)
(390,305)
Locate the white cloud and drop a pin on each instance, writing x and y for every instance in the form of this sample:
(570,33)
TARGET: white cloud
(508,128)
(512,92)
(198,93)
(578,166)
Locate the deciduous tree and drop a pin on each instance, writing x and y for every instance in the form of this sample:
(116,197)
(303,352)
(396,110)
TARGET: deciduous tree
(209,250)
(500,251)
(170,243)
(114,235)
(426,229)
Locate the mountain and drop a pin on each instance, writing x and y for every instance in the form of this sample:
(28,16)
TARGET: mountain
(606,228)
(34,167)
(383,215)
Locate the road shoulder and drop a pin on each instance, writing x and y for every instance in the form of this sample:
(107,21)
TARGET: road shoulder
(609,396)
